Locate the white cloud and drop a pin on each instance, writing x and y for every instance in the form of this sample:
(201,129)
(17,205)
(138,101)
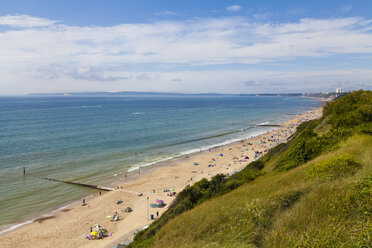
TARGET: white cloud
(234,8)
(60,57)
(25,21)
(198,41)
(223,81)
(90,73)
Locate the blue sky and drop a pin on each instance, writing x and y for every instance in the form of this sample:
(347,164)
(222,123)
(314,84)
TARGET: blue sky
(184,46)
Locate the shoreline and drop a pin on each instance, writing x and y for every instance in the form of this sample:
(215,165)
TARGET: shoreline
(138,183)
(132,174)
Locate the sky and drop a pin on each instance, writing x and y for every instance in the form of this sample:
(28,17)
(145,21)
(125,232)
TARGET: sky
(185,46)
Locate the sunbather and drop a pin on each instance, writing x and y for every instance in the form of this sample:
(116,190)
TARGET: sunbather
(115,217)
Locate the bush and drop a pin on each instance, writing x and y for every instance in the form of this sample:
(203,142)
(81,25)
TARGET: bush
(335,167)
(350,110)
(349,114)
(306,147)
(365,128)
(258,164)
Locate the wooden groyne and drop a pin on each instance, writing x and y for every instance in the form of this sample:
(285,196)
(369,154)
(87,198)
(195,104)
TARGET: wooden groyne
(79,184)
(68,182)
(74,183)
(82,184)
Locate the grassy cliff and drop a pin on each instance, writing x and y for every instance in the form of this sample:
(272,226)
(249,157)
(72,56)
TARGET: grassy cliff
(314,191)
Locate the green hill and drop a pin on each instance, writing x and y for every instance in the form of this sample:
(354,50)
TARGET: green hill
(314,191)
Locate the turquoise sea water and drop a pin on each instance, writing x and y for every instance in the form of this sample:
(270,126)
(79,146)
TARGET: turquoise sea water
(90,139)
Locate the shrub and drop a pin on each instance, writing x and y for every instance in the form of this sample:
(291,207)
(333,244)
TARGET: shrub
(365,128)
(350,110)
(349,114)
(303,150)
(335,167)
(258,164)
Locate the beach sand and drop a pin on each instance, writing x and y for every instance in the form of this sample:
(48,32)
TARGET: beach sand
(67,227)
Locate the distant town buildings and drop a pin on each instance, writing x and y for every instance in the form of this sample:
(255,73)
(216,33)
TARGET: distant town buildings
(327,95)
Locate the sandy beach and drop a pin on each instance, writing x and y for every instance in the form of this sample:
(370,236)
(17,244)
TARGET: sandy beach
(67,227)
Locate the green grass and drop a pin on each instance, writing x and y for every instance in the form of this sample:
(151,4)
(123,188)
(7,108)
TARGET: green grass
(321,199)
(283,210)
(332,168)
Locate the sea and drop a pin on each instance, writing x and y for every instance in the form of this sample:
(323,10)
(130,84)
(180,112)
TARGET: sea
(98,139)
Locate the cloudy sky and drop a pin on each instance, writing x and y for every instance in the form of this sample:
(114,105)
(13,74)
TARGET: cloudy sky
(189,46)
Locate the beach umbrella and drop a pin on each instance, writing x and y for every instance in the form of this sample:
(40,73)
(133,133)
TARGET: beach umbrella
(220,155)
(196,163)
(94,233)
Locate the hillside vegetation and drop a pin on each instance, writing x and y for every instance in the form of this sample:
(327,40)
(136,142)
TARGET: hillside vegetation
(314,191)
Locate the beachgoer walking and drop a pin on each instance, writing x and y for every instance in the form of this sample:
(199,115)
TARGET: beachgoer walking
(157,214)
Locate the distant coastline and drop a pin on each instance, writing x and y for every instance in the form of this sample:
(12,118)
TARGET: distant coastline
(144,93)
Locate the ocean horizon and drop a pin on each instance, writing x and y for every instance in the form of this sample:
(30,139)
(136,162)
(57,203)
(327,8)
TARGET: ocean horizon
(97,140)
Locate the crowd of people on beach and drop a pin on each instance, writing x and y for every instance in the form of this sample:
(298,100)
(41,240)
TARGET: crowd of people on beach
(97,232)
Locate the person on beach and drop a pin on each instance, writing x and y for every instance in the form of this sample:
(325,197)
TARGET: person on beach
(157,214)
(84,202)
(115,217)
